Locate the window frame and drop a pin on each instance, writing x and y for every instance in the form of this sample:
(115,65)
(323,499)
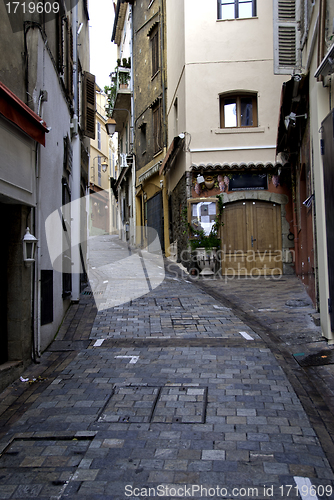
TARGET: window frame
(99,171)
(236,10)
(154,39)
(157,131)
(238,96)
(98,135)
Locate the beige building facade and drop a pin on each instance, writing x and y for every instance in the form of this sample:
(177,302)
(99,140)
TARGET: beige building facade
(222,109)
(103,167)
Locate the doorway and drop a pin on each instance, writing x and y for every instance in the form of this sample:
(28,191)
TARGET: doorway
(251,238)
(154,216)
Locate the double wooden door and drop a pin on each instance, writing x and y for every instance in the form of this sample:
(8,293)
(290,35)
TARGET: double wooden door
(251,238)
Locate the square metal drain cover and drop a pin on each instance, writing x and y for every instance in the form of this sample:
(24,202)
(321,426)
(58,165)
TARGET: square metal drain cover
(130,404)
(186,405)
(323,357)
(156,404)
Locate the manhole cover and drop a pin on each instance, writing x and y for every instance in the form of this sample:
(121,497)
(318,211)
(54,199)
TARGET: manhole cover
(156,404)
(297,303)
(130,404)
(324,357)
(186,405)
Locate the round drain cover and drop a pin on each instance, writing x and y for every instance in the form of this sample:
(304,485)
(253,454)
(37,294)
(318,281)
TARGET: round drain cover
(297,303)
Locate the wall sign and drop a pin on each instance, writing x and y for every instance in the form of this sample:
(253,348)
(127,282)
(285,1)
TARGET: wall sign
(248,180)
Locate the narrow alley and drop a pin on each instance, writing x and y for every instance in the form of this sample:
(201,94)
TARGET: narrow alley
(174,393)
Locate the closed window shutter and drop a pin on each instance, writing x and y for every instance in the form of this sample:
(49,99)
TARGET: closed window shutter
(286,36)
(155,53)
(70,65)
(89,105)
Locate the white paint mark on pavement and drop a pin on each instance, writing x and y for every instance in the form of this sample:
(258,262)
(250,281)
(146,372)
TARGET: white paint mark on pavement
(246,336)
(306,491)
(98,343)
(133,359)
(105,281)
(222,308)
(262,310)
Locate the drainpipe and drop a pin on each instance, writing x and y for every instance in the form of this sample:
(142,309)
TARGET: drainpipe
(295,229)
(321,40)
(163,74)
(131,125)
(75,187)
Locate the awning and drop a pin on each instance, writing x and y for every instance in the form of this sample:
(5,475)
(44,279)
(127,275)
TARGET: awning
(121,176)
(149,172)
(327,64)
(12,108)
(294,103)
(236,166)
(173,150)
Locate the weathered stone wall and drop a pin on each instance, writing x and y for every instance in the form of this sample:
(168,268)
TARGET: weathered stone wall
(177,225)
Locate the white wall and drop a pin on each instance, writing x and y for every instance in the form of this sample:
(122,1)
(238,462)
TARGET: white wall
(56,115)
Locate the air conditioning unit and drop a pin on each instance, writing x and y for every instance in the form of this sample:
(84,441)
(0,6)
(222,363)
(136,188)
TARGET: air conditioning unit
(123,162)
(74,125)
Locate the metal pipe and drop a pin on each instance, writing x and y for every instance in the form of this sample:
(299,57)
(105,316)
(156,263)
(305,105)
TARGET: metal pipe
(321,39)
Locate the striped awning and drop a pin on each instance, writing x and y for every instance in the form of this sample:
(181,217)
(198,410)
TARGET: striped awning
(237,166)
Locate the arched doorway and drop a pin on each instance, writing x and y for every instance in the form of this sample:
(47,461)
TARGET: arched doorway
(251,238)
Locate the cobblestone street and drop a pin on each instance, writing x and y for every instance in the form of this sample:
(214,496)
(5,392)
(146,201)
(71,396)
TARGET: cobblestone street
(177,392)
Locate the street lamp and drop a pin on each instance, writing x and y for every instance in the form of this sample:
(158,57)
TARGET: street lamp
(111,123)
(111,126)
(104,165)
(29,247)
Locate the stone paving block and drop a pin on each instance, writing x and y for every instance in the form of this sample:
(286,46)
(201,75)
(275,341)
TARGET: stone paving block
(213,454)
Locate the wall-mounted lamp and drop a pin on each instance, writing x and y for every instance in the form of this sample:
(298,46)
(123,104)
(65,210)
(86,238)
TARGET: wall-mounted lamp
(104,166)
(291,119)
(161,183)
(111,126)
(29,247)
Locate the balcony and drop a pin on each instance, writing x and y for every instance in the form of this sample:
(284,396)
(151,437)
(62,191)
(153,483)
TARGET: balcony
(122,104)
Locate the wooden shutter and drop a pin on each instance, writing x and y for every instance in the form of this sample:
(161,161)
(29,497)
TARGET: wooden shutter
(157,128)
(89,105)
(60,44)
(70,65)
(286,36)
(155,52)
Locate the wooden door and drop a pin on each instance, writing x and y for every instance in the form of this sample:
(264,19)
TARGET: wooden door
(251,238)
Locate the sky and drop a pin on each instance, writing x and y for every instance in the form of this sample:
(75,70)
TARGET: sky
(102,49)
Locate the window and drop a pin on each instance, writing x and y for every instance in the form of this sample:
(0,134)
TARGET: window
(142,138)
(157,128)
(155,52)
(88,105)
(287,32)
(99,171)
(98,135)
(236,9)
(238,110)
